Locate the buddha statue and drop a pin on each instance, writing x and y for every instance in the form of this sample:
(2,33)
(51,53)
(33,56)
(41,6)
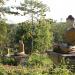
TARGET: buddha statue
(21,47)
(69,37)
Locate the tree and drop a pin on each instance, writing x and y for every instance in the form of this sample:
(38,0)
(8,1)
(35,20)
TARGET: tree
(11,35)
(36,10)
(31,7)
(3,32)
(1,1)
(34,7)
(24,32)
(42,36)
(58,30)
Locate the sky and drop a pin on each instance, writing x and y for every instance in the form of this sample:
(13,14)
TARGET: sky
(59,10)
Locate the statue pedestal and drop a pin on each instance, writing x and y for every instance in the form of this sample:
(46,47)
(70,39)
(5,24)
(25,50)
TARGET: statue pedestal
(59,58)
(21,59)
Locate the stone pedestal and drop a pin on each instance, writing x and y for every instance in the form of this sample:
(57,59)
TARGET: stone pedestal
(58,58)
(21,59)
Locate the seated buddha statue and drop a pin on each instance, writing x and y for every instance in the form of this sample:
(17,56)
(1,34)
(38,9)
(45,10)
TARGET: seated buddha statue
(69,37)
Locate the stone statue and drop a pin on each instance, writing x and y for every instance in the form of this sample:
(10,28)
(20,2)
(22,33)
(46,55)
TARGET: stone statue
(69,38)
(70,33)
(70,22)
(8,54)
(21,47)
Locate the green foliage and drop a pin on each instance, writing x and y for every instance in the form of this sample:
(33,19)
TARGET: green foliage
(39,64)
(3,32)
(11,36)
(23,32)
(58,31)
(43,36)
(9,61)
(60,71)
(33,6)
(37,59)
(39,33)
(27,6)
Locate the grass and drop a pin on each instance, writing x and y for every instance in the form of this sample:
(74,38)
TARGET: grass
(37,64)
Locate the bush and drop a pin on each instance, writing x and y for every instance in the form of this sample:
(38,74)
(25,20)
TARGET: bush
(37,59)
(37,66)
(8,61)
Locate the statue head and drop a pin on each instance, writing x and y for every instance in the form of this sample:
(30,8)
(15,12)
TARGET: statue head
(70,21)
(20,41)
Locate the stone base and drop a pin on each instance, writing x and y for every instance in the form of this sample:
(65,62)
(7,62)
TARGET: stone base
(21,53)
(57,58)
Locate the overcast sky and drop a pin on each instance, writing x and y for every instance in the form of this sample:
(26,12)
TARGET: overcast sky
(59,9)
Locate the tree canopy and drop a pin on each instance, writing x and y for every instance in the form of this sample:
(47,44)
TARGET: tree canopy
(41,35)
